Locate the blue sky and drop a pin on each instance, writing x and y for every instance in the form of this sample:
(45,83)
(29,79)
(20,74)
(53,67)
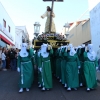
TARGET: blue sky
(27,12)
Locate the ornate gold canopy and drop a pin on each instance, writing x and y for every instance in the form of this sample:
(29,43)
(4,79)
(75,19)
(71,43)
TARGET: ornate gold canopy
(53,43)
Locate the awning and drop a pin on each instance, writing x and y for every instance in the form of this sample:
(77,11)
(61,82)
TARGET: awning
(6,40)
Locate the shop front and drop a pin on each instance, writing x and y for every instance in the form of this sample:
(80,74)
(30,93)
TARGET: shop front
(4,41)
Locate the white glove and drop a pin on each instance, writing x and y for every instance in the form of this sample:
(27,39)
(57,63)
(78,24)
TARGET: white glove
(40,69)
(96,68)
(79,67)
(18,69)
(50,46)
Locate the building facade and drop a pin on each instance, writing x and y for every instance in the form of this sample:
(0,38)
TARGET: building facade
(21,35)
(79,33)
(7,28)
(94,8)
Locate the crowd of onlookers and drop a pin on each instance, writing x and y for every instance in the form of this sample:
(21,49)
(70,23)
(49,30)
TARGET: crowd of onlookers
(8,58)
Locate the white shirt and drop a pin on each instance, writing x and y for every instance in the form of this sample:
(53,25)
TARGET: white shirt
(3,56)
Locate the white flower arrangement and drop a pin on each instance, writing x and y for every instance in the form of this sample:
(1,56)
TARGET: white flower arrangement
(45,37)
(42,37)
(60,37)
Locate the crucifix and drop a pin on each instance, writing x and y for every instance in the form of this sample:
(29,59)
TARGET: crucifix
(52,11)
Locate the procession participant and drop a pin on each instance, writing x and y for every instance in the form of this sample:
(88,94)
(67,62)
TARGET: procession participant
(90,67)
(46,51)
(72,65)
(55,62)
(24,66)
(47,25)
(36,58)
(39,67)
(63,62)
(80,52)
(58,63)
(98,57)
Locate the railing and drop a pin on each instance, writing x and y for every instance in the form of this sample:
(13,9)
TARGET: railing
(4,30)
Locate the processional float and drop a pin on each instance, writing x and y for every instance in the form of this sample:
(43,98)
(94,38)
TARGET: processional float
(54,39)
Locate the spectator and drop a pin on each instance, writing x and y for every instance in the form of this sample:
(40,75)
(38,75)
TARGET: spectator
(12,55)
(0,57)
(7,59)
(98,57)
(3,57)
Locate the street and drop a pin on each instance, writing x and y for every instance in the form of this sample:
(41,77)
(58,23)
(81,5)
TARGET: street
(9,90)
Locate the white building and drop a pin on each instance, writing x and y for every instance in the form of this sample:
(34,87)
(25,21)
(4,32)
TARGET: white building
(94,8)
(7,28)
(21,34)
(18,39)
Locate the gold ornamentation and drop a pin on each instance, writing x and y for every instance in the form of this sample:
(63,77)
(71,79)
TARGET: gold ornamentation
(61,44)
(53,43)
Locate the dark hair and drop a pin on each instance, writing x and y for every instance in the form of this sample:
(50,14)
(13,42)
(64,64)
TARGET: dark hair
(3,50)
(48,8)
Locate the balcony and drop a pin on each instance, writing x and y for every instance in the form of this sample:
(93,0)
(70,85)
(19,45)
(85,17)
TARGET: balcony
(5,31)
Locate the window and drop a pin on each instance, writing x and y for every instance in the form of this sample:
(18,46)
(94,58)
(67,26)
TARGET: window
(9,29)
(4,23)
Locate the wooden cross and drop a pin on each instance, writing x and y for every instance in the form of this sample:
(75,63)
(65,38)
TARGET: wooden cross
(52,11)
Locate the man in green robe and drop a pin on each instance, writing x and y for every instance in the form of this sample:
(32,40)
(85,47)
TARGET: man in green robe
(90,67)
(45,70)
(58,63)
(63,62)
(71,70)
(39,65)
(80,52)
(25,67)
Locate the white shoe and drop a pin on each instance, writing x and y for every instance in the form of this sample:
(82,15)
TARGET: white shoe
(81,84)
(21,90)
(43,89)
(27,89)
(88,89)
(65,85)
(69,89)
(39,85)
(4,69)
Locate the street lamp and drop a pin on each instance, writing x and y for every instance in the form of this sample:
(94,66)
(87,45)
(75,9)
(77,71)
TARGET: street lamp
(66,26)
(36,29)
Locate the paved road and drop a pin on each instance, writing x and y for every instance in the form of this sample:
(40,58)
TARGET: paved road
(9,90)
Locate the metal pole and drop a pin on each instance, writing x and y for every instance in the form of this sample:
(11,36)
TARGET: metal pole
(51,16)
